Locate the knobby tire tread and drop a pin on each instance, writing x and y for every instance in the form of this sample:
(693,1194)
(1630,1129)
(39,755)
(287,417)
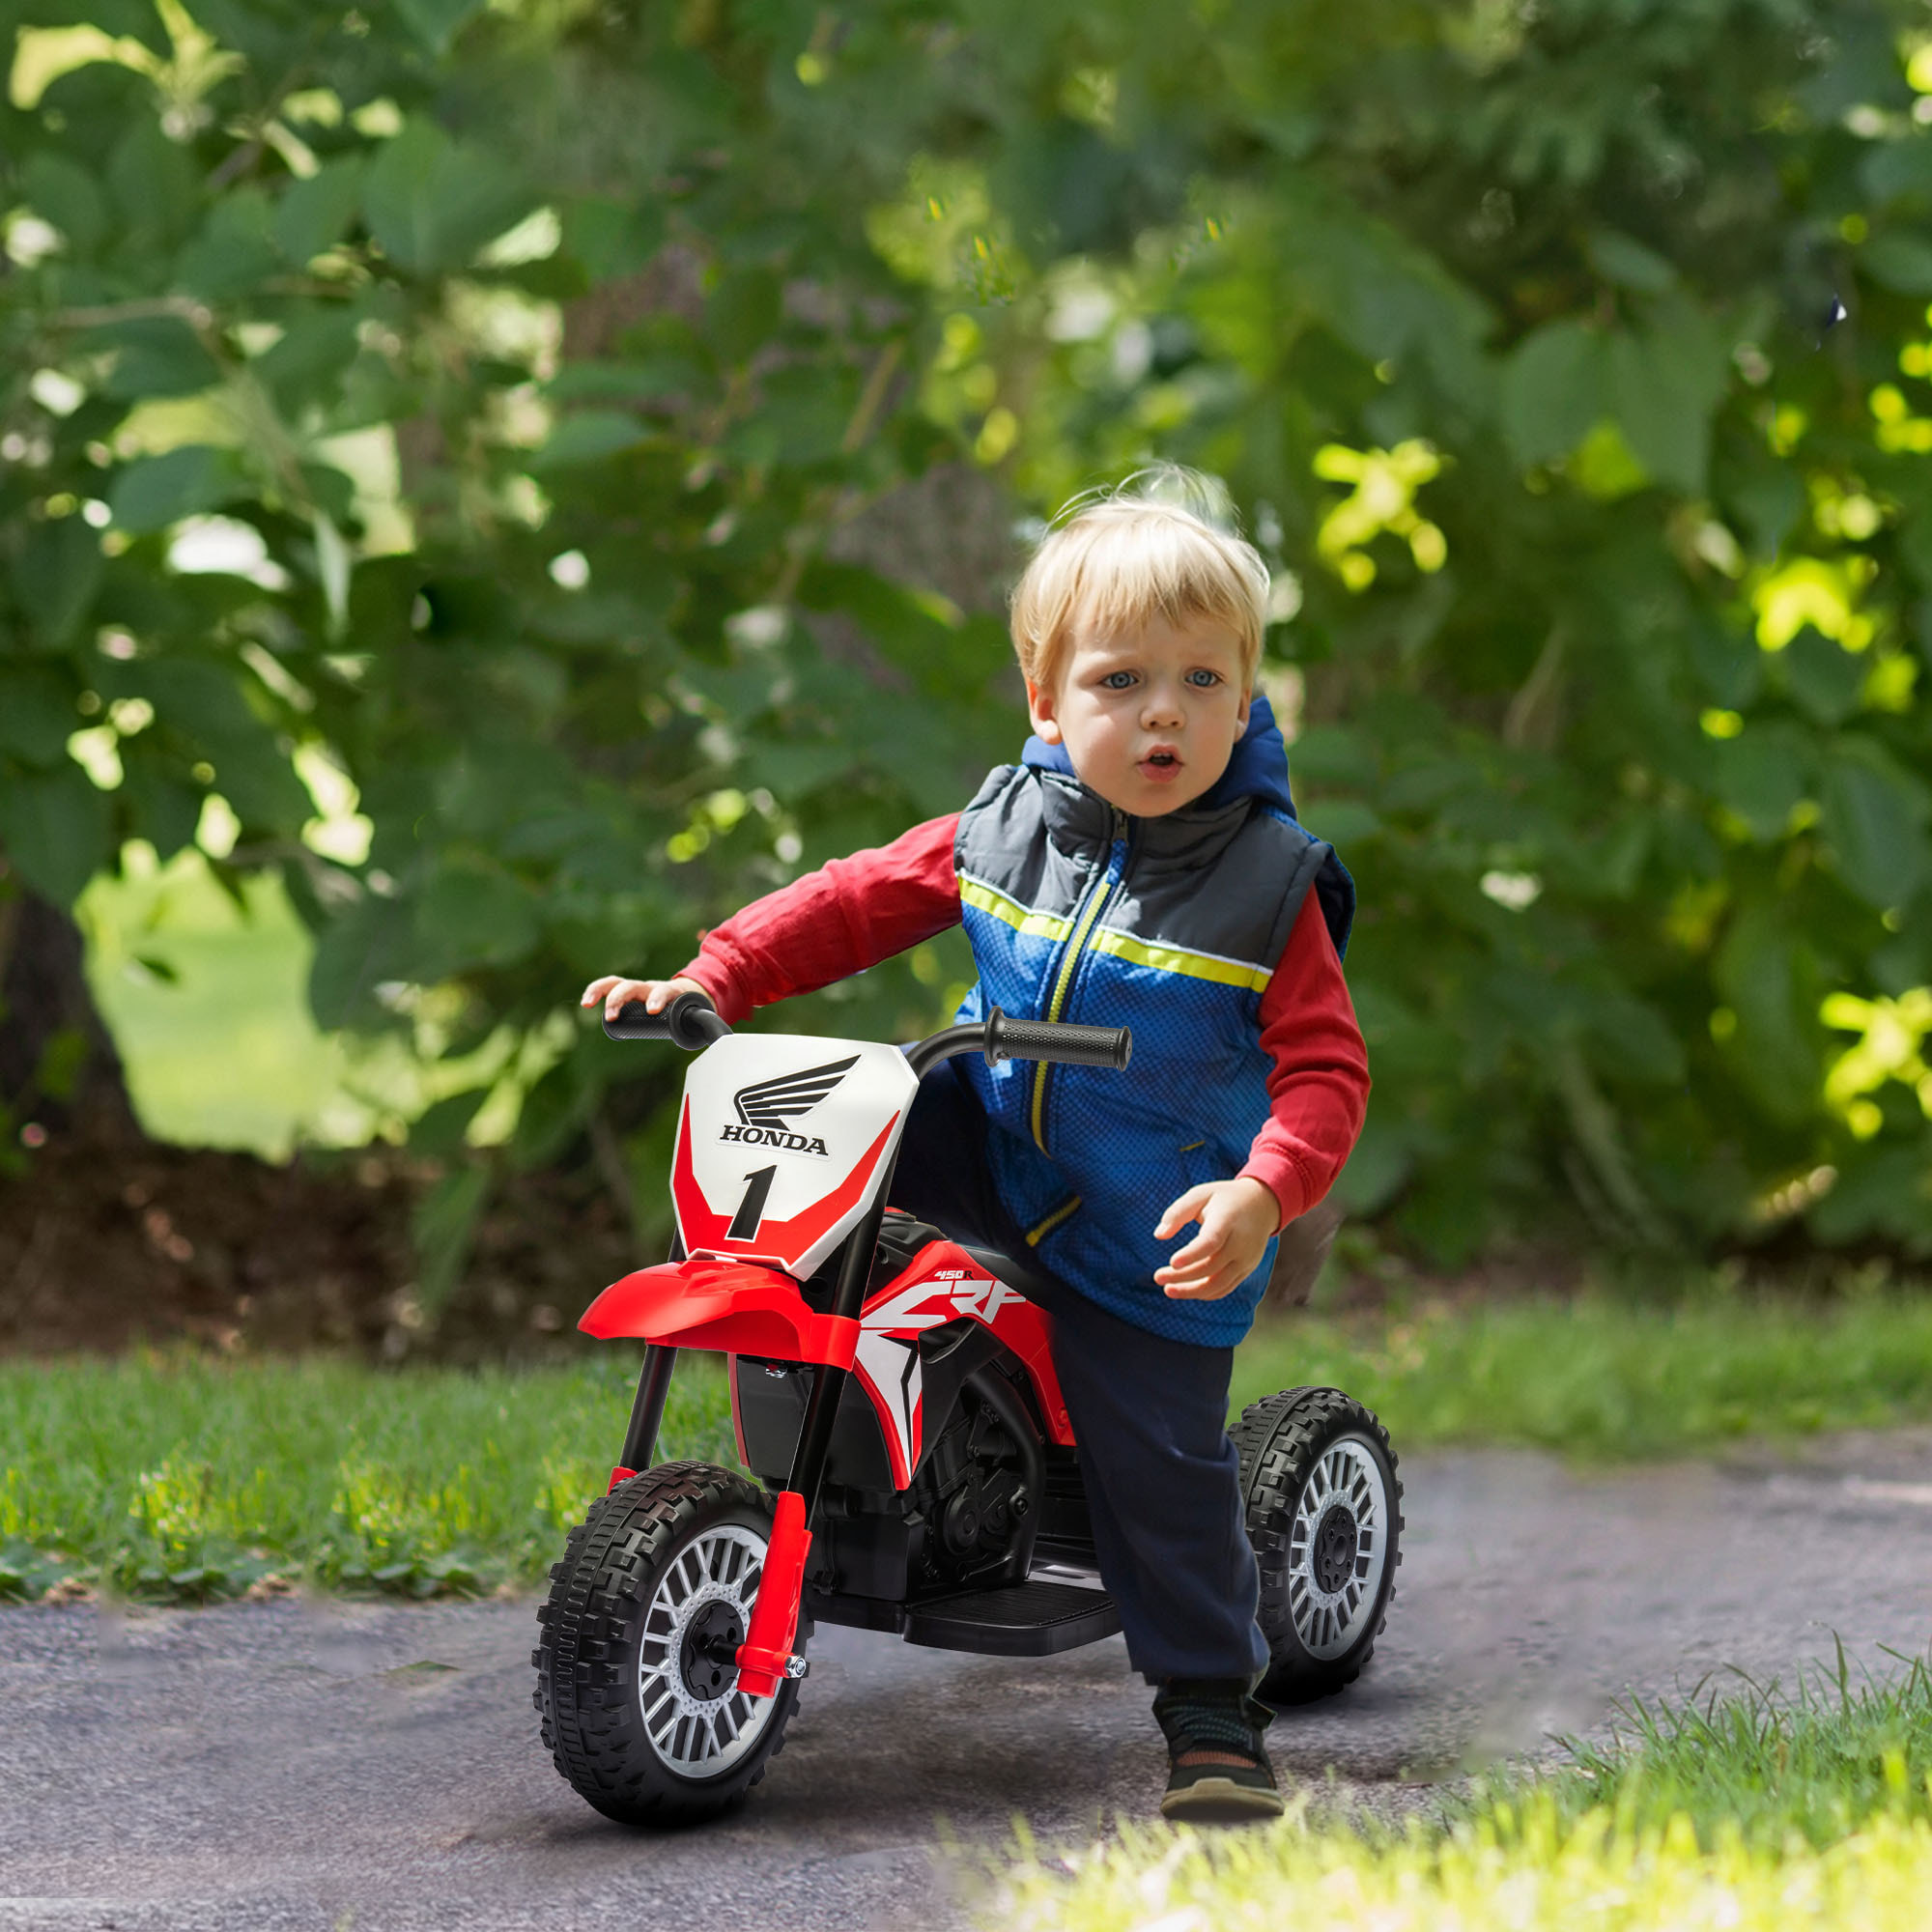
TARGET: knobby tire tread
(587,1703)
(1276,1439)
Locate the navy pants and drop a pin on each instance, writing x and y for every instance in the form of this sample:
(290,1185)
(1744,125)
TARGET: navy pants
(1150,1416)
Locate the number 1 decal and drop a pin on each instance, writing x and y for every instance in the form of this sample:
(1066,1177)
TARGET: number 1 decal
(752,1208)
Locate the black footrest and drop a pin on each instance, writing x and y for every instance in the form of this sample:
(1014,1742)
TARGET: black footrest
(1022,1620)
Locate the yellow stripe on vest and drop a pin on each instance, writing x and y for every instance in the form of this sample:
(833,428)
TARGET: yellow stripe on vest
(1178,959)
(989,899)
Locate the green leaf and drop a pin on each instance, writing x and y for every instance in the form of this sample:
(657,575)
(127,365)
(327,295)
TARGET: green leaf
(1899,261)
(742,314)
(201,699)
(1874,815)
(55,829)
(472,916)
(1664,384)
(1824,678)
(62,1060)
(444,1225)
(1629,264)
(36,713)
(63,192)
(234,248)
(638,379)
(612,237)
(432,203)
(308,363)
(553,1111)
(158,491)
(1766,977)
(1378,1170)
(437,1131)
(357,950)
(437,22)
(1881,1192)
(589,436)
(1760,775)
(155,186)
(315,215)
(1553,390)
(1770,502)
(56,576)
(331,492)
(1899,171)
(155,356)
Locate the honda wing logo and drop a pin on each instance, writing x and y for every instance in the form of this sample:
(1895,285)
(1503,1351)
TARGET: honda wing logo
(767,1109)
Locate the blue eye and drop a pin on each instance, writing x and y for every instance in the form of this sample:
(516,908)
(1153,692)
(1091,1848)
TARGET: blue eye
(1117,680)
(1204,679)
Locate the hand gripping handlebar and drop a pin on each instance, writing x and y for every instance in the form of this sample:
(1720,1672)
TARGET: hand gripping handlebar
(690,1021)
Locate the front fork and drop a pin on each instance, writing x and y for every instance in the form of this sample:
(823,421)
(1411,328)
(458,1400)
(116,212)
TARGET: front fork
(766,1658)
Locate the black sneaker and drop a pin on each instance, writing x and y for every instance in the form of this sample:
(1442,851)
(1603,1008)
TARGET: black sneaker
(1218,1770)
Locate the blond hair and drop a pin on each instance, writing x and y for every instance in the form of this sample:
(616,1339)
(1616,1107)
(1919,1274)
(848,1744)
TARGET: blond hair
(1162,545)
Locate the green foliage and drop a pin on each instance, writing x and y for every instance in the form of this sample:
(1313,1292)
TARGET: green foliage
(475,398)
(1609,652)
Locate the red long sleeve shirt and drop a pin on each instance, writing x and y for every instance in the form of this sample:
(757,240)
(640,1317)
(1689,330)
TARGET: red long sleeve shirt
(852,913)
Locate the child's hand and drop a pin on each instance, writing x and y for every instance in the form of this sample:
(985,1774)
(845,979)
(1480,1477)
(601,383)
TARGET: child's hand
(1238,1219)
(616,994)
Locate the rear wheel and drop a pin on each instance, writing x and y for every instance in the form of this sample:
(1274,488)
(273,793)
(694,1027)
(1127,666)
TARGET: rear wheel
(1324,1516)
(636,1685)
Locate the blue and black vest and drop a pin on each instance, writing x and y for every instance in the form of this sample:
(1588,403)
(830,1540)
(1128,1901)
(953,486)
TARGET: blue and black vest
(1172,926)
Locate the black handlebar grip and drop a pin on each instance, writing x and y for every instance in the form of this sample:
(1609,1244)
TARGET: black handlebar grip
(690,1021)
(1010,1038)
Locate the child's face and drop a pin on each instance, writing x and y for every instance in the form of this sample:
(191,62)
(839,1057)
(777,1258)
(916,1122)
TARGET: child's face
(1149,717)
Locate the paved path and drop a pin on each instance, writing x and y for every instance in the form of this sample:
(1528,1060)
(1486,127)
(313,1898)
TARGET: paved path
(377,1767)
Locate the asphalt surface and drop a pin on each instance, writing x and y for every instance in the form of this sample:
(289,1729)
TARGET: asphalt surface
(337,1766)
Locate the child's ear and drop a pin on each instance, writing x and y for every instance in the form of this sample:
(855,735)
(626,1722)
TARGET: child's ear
(1241,715)
(1040,709)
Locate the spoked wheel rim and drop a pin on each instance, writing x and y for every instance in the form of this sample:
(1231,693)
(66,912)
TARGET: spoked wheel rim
(1338,1548)
(697,1721)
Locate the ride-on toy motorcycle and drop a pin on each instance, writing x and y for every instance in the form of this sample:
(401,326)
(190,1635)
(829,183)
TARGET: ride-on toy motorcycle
(895,1394)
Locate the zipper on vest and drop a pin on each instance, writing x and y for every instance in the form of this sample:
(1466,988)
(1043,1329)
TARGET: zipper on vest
(1092,903)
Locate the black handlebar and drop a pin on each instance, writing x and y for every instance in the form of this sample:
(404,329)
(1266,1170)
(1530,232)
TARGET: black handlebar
(1009,1038)
(692,1022)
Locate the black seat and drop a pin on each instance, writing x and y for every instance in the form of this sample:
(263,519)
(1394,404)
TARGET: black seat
(1015,1274)
(901,1235)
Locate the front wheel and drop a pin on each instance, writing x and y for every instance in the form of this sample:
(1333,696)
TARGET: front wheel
(637,1686)
(1324,1516)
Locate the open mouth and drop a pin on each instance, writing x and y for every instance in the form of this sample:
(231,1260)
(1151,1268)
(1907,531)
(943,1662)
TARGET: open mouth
(1161,764)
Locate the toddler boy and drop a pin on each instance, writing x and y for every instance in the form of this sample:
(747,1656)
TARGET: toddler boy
(1140,867)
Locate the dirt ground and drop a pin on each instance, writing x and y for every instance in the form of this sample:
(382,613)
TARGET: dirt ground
(107,1248)
(107,1245)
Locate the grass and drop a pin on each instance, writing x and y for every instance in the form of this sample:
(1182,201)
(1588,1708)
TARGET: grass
(1605,1380)
(1754,1813)
(182,1477)
(185,1479)
(1815,1766)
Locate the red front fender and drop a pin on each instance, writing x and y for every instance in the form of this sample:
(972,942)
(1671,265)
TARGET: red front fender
(736,1307)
